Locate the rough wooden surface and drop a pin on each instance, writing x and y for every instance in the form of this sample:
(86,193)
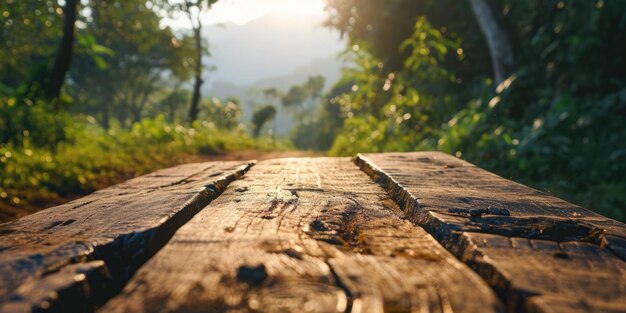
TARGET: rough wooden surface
(42,255)
(538,252)
(316,235)
(303,235)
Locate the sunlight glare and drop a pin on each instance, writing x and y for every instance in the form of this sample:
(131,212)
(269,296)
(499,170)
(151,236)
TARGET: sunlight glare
(242,11)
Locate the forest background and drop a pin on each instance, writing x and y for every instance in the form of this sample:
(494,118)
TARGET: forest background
(95,92)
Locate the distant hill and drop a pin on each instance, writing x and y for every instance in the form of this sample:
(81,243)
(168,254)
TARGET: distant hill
(251,95)
(274,51)
(272,45)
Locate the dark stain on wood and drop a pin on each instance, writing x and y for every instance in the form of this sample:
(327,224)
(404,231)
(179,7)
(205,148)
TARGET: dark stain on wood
(252,275)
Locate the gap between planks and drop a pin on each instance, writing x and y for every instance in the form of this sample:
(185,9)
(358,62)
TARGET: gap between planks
(519,282)
(73,257)
(303,235)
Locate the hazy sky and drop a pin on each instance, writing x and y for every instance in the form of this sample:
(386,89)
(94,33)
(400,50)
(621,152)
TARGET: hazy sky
(291,38)
(243,11)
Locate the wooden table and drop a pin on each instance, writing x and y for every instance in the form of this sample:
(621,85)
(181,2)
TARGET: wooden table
(396,232)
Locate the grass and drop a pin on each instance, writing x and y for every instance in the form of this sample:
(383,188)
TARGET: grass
(93,158)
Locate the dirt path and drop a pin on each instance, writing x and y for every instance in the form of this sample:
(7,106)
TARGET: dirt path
(251,155)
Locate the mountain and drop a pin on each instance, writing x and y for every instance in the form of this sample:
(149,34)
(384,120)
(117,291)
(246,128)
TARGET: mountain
(272,45)
(275,51)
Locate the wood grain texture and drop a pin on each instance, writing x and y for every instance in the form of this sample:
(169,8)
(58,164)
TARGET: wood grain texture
(535,250)
(303,235)
(121,226)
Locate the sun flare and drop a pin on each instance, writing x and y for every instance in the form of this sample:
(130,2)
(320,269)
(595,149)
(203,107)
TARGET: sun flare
(243,11)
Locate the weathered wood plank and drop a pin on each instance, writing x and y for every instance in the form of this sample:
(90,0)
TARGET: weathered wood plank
(122,225)
(298,235)
(526,244)
(74,288)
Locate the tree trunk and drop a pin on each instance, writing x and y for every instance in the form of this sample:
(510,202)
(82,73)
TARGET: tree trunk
(64,54)
(106,118)
(497,40)
(195,98)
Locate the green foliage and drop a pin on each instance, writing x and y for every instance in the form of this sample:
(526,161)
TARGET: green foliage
(384,110)
(92,158)
(115,39)
(29,32)
(557,124)
(295,96)
(262,115)
(300,100)
(97,52)
(109,124)
(32,122)
(298,95)
(137,49)
(173,103)
(419,79)
(222,115)
(319,130)
(384,25)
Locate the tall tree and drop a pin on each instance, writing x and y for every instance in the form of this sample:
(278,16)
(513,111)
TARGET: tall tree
(499,47)
(147,58)
(27,41)
(194,10)
(380,27)
(64,54)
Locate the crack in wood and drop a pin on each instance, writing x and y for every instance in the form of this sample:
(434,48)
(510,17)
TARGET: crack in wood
(345,303)
(536,251)
(541,227)
(68,286)
(489,220)
(339,248)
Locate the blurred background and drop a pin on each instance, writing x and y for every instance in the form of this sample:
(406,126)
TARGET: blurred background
(94,92)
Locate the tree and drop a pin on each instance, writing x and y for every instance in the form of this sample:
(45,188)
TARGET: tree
(173,101)
(261,116)
(127,84)
(298,95)
(380,27)
(28,43)
(563,107)
(500,49)
(224,115)
(193,11)
(64,53)
(315,85)
(271,93)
